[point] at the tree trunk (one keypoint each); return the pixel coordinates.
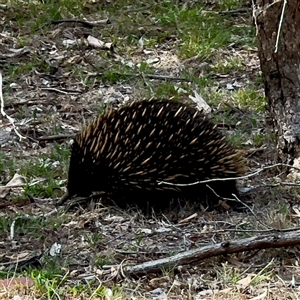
(280, 66)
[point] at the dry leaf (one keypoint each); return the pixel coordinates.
(234, 261)
(201, 103)
(262, 296)
(96, 43)
(16, 182)
(245, 282)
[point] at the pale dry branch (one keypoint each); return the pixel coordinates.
(280, 25)
(4, 114)
(230, 178)
(273, 240)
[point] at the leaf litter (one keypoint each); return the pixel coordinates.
(65, 85)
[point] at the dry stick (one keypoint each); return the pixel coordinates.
(254, 16)
(280, 26)
(89, 24)
(23, 103)
(225, 12)
(148, 85)
(253, 213)
(65, 92)
(161, 77)
(136, 10)
(149, 76)
(235, 11)
(229, 178)
(274, 240)
(10, 119)
(244, 204)
(56, 137)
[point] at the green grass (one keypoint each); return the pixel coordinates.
(40, 14)
(228, 4)
(33, 227)
(250, 99)
(48, 282)
(196, 30)
(45, 174)
(228, 65)
(101, 260)
(201, 33)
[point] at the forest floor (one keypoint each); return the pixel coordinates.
(63, 62)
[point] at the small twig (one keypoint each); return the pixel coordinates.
(280, 26)
(235, 11)
(56, 137)
(253, 213)
(164, 77)
(254, 16)
(89, 24)
(229, 178)
(275, 185)
(10, 119)
(255, 150)
(120, 268)
(148, 85)
(263, 270)
(244, 204)
(136, 10)
(96, 290)
(23, 103)
(65, 92)
(150, 76)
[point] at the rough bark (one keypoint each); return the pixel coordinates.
(281, 69)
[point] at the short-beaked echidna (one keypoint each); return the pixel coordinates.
(127, 153)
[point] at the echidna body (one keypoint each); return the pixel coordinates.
(128, 153)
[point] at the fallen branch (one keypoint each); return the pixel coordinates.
(273, 240)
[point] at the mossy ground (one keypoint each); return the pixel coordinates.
(161, 49)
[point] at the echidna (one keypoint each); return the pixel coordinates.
(128, 153)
